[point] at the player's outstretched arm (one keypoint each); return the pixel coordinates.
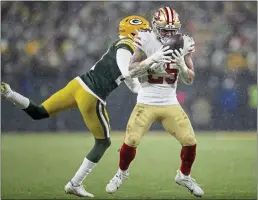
(136, 67)
(123, 57)
(133, 84)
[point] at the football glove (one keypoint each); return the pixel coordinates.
(159, 56)
(157, 68)
(178, 58)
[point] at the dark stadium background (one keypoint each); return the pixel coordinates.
(46, 44)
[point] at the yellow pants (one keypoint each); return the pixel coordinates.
(92, 109)
(173, 119)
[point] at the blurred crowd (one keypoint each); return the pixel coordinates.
(45, 44)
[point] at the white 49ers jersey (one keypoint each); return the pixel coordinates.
(159, 89)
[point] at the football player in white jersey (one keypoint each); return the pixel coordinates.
(157, 101)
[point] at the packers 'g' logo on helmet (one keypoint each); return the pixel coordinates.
(135, 21)
(129, 26)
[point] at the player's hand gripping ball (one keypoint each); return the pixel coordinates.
(175, 42)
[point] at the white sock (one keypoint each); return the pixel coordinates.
(183, 174)
(83, 172)
(124, 172)
(19, 100)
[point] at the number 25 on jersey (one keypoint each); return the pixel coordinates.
(168, 80)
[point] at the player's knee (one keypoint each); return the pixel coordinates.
(102, 144)
(98, 150)
(132, 140)
(107, 143)
(190, 140)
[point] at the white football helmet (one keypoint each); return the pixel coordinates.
(165, 23)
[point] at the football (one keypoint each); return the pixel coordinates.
(175, 42)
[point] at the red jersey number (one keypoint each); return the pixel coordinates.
(159, 80)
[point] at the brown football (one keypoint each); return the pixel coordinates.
(175, 42)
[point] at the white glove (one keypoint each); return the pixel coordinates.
(157, 68)
(178, 58)
(160, 56)
(181, 66)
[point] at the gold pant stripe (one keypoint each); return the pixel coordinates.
(75, 96)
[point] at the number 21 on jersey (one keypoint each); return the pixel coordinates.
(168, 80)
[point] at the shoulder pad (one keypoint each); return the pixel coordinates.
(125, 42)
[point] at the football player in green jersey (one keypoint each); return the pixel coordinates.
(88, 93)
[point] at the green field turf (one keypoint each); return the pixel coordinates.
(38, 166)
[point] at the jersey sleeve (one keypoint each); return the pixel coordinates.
(123, 57)
(189, 45)
(140, 41)
(125, 43)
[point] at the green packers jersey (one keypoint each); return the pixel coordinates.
(105, 75)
